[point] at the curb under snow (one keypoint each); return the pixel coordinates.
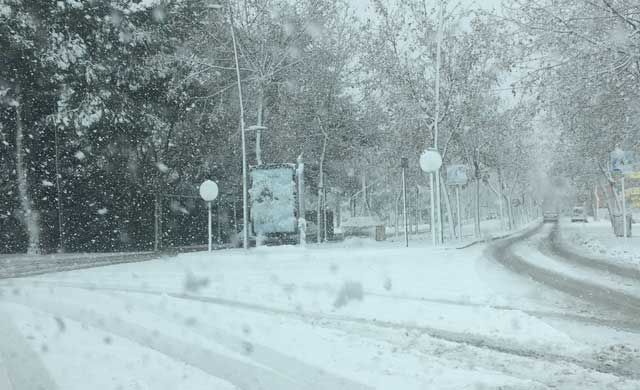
(526, 228)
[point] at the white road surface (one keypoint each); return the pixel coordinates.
(355, 315)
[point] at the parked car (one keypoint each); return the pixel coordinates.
(579, 214)
(550, 216)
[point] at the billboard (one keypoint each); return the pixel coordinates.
(456, 175)
(621, 161)
(633, 197)
(273, 199)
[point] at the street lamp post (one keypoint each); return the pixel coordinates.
(404, 166)
(430, 162)
(435, 194)
(209, 193)
(245, 208)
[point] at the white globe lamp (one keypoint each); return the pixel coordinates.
(209, 191)
(430, 161)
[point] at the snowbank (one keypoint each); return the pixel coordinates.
(596, 239)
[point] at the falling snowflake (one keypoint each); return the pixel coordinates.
(162, 167)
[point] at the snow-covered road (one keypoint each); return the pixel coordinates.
(354, 315)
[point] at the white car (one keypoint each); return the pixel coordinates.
(578, 215)
(550, 216)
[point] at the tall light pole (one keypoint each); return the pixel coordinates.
(430, 162)
(435, 127)
(208, 193)
(245, 207)
(59, 190)
(404, 165)
(245, 211)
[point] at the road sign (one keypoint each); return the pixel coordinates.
(634, 175)
(633, 195)
(621, 161)
(457, 175)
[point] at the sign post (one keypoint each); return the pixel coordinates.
(209, 192)
(430, 162)
(302, 222)
(404, 163)
(622, 163)
(624, 209)
(457, 176)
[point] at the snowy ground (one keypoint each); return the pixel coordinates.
(596, 239)
(489, 229)
(354, 315)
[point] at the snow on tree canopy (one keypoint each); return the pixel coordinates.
(273, 200)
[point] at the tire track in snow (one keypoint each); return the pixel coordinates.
(555, 247)
(603, 296)
(314, 377)
(503, 346)
(630, 325)
(23, 368)
(242, 374)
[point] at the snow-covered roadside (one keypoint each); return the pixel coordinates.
(596, 239)
(612, 281)
(489, 229)
(358, 314)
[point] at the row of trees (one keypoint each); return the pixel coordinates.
(109, 108)
(582, 65)
(479, 125)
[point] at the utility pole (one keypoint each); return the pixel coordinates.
(245, 207)
(597, 202)
(404, 166)
(302, 222)
(624, 209)
(437, 119)
(59, 190)
(458, 212)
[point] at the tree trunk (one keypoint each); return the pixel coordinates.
(59, 192)
(30, 216)
(365, 201)
(321, 192)
(397, 213)
(501, 200)
(447, 203)
(337, 213)
(417, 213)
(611, 205)
(476, 225)
(302, 222)
(512, 224)
(259, 130)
